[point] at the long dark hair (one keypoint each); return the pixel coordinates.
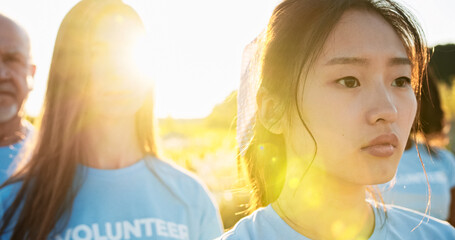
(432, 117)
(293, 40)
(47, 181)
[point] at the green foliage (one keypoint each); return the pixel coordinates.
(442, 62)
(447, 94)
(224, 114)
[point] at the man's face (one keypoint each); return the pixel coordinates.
(15, 69)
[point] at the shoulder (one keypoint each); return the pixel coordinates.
(440, 156)
(245, 228)
(445, 155)
(262, 224)
(409, 224)
(174, 173)
(446, 161)
(180, 180)
(187, 187)
(440, 153)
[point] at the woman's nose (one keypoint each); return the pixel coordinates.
(382, 106)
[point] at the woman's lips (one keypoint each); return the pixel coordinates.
(382, 146)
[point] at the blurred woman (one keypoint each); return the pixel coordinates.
(409, 187)
(335, 104)
(95, 171)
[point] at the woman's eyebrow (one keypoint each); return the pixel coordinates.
(399, 61)
(363, 61)
(347, 60)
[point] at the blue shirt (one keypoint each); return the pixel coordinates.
(410, 189)
(148, 200)
(9, 155)
(265, 224)
(7, 158)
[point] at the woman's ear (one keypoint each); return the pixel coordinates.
(270, 111)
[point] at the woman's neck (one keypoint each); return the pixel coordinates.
(114, 143)
(320, 206)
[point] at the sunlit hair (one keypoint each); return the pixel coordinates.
(293, 40)
(49, 180)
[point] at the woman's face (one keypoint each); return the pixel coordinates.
(118, 88)
(357, 101)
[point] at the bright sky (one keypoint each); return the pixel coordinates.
(197, 44)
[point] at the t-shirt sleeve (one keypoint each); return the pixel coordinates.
(228, 236)
(211, 225)
(449, 158)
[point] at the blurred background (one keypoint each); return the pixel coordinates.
(195, 55)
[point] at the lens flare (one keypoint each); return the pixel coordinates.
(141, 60)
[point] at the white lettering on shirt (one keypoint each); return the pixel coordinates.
(134, 229)
(118, 231)
(82, 232)
(96, 233)
(138, 228)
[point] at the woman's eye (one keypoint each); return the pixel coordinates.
(401, 82)
(349, 82)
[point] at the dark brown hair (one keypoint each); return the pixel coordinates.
(293, 40)
(48, 182)
(432, 120)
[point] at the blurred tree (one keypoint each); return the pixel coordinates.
(443, 63)
(224, 114)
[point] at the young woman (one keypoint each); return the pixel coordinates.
(335, 105)
(94, 172)
(409, 187)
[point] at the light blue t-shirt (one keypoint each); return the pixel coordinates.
(148, 200)
(410, 189)
(9, 154)
(266, 224)
(7, 158)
